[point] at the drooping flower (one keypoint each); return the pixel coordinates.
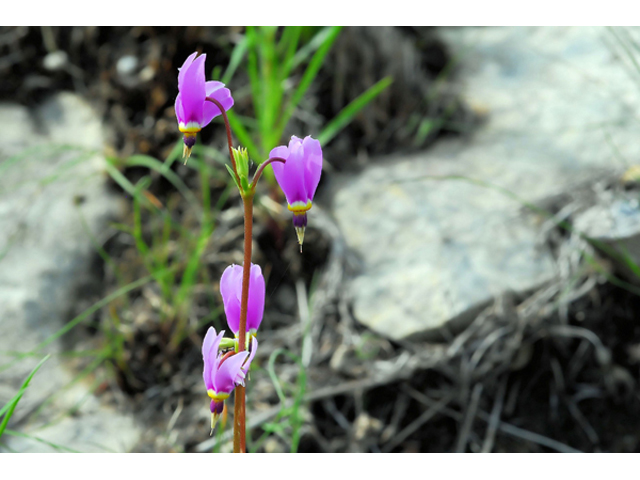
(194, 112)
(223, 372)
(231, 290)
(298, 177)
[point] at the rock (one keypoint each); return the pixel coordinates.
(613, 222)
(51, 177)
(558, 110)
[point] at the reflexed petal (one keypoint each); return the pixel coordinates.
(247, 364)
(255, 307)
(293, 175)
(219, 93)
(192, 90)
(231, 290)
(294, 141)
(212, 86)
(313, 165)
(224, 380)
(185, 66)
(179, 109)
(278, 167)
(279, 152)
(210, 355)
(232, 312)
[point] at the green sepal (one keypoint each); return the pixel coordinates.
(227, 343)
(242, 161)
(233, 175)
(245, 185)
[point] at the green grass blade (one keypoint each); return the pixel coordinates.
(316, 42)
(237, 56)
(347, 113)
(253, 37)
(9, 408)
(243, 136)
(164, 170)
(307, 78)
(60, 448)
(287, 49)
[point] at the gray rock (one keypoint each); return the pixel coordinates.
(558, 108)
(51, 176)
(613, 222)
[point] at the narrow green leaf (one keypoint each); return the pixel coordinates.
(9, 408)
(233, 175)
(164, 170)
(13, 433)
(351, 110)
(243, 135)
(237, 55)
(307, 78)
(316, 42)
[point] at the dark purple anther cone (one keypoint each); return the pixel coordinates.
(216, 407)
(189, 141)
(300, 221)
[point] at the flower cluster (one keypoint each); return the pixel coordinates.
(223, 372)
(297, 168)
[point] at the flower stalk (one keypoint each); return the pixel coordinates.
(297, 168)
(239, 432)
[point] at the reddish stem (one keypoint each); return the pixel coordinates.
(239, 433)
(229, 139)
(256, 177)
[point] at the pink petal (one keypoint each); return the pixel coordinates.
(247, 364)
(193, 90)
(278, 167)
(231, 290)
(210, 355)
(255, 307)
(294, 141)
(313, 165)
(179, 109)
(212, 86)
(185, 66)
(293, 174)
(225, 377)
(216, 91)
(232, 312)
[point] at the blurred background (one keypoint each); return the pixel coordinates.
(470, 273)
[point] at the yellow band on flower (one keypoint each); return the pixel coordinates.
(218, 397)
(298, 208)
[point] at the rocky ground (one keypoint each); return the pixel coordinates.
(476, 295)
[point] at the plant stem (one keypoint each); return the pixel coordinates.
(229, 138)
(239, 430)
(256, 177)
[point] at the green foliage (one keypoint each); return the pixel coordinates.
(9, 408)
(273, 60)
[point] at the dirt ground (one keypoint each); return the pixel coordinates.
(532, 373)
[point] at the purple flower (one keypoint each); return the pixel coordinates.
(231, 290)
(298, 177)
(221, 372)
(192, 110)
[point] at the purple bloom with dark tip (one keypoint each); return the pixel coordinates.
(298, 177)
(192, 110)
(222, 373)
(231, 290)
